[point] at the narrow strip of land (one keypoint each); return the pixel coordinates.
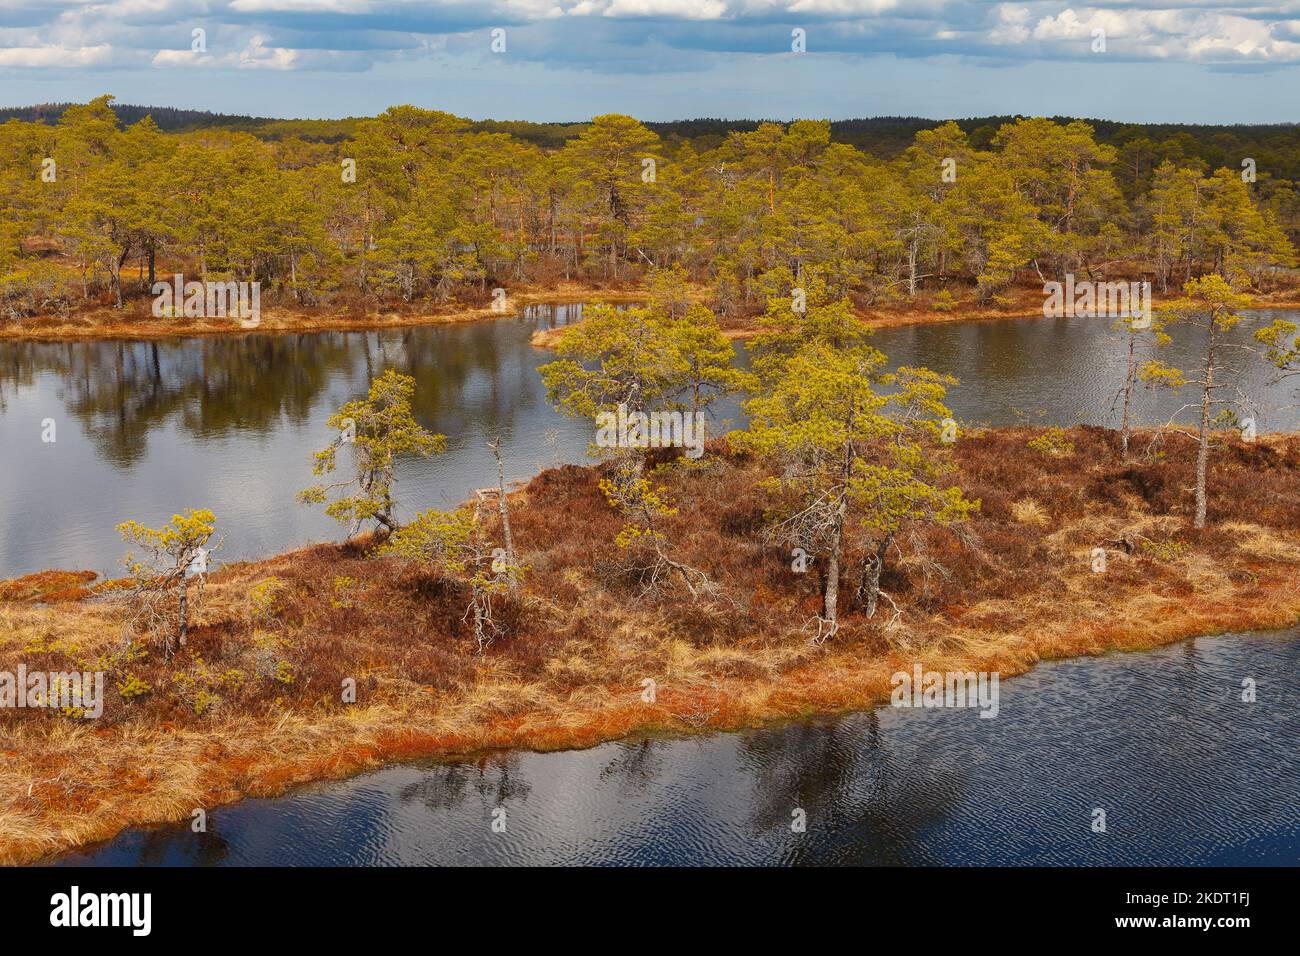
(252, 704)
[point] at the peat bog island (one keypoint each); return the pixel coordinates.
(775, 455)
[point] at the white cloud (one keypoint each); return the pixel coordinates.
(43, 57)
(254, 55)
(303, 6)
(1198, 35)
(356, 34)
(671, 9)
(1012, 25)
(258, 56)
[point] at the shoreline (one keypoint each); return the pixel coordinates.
(282, 321)
(68, 784)
(840, 700)
(882, 319)
(108, 324)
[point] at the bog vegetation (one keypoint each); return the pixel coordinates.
(849, 527)
(253, 703)
(422, 205)
(857, 477)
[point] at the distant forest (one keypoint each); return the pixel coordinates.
(1275, 147)
(419, 204)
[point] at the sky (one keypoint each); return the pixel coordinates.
(567, 60)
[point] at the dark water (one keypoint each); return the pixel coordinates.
(145, 429)
(1185, 771)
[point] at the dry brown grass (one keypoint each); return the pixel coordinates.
(225, 720)
(48, 586)
(1029, 511)
(1020, 302)
(137, 322)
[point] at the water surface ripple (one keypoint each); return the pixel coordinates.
(1186, 772)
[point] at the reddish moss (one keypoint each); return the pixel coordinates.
(47, 586)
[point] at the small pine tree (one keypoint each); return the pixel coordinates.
(174, 557)
(380, 429)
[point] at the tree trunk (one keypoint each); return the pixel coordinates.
(831, 599)
(478, 623)
(1128, 396)
(117, 274)
(512, 578)
(911, 268)
(184, 628)
(1203, 449)
(869, 591)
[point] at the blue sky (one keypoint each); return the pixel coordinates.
(1200, 61)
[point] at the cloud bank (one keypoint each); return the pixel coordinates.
(630, 36)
